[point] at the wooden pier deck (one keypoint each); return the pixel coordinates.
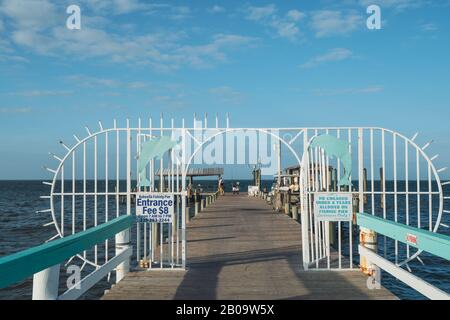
(239, 248)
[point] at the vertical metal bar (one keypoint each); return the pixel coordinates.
(95, 195)
(73, 191)
(84, 191)
(128, 168)
(383, 182)
(418, 188)
(171, 226)
(350, 227)
(183, 202)
(161, 225)
(407, 189)
(305, 214)
(106, 190)
(327, 224)
(430, 200)
(138, 225)
(144, 225)
(62, 200)
(394, 142)
(338, 177)
(372, 173)
(312, 219)
(152, 226)
(117, 169)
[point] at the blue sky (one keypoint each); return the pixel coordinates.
(267, 63)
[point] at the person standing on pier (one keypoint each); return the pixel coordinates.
(221, 190)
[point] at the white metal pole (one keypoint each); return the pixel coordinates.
(123, 238)
(46, 284)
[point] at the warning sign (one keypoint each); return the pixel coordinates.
(154, 207)
(333, 206)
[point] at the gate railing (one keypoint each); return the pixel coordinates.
(393, 177)
(436, 244)
(44, 261)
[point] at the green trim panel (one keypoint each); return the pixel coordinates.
(437, 244)
(18, 266)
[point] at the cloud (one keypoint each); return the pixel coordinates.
(43, 93)
(161, 50)
(216, 9)
(285, 26)
(117, 7)
(326, 23)
(15, 110)
(365, 90)
(28, 14)
(180, 13)
(429, 27)
(2, 26)
(395, 4)
(96, 82)
(12, 58)
(227, 95)
(334, 55)
(215, 51)
(295, 15)
(259, 13)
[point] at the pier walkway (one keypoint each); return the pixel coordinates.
(239, 248)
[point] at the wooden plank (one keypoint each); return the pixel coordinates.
(239, 248)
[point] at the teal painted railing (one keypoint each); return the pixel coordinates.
(19, 266)
(437, 244)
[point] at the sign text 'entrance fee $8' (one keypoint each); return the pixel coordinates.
(154, 208)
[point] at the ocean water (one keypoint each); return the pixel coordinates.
(21, 227)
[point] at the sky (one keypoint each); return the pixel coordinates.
(266, 63)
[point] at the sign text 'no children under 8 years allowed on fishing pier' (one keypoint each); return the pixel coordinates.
(154, 207)
(333, 206)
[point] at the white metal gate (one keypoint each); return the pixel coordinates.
(98, 180)
(392, 177)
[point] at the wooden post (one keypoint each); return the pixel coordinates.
(188, 215)
(287, 208)
(202, 205)
(365, 185)
(332, 233)
(196, 208)
(295, 212)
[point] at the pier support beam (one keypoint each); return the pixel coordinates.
(188, 215)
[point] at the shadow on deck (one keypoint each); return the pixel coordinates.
(239, 248)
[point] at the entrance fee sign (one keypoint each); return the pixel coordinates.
(333, 206)
(154, 207)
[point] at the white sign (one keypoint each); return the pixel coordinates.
(333, 206)
(154, 207)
